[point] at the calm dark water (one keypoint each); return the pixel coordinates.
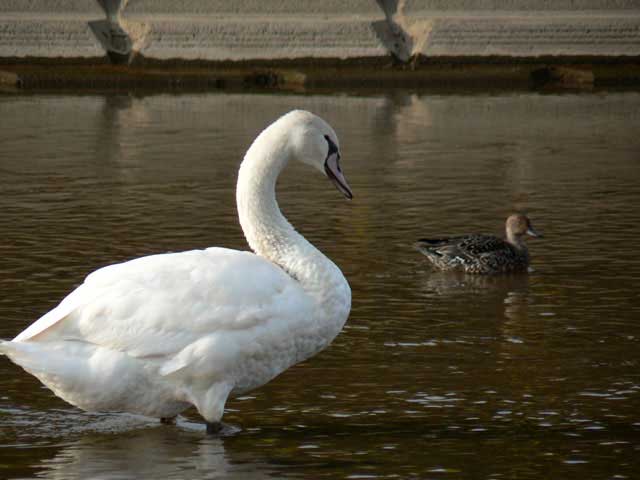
(435, 376)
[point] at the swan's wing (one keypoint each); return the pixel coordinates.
(155, 306)
(69, 304)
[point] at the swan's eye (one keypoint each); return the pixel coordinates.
(332, 146)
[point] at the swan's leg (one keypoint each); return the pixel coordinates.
(210, 404)
(214, 427)
(168, 420)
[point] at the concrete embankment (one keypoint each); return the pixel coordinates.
(204, 43)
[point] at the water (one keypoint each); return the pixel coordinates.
(435, 376)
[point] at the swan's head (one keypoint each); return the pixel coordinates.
(313, 141)
(518, 225)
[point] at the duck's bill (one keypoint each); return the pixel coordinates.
(533, 232)
(334, 172)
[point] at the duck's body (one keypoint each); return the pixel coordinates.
(482, 254)
(160, 333)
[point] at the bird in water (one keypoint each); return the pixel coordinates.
(482, 254)
(158, 334)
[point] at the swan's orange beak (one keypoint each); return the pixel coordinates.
(334, 172)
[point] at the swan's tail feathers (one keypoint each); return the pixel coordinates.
(14, 350)
(10, 349)
(36, 358)
(30, 356)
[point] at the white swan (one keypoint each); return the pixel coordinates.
(160, 333)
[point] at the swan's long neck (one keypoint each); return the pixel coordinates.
(268, 232)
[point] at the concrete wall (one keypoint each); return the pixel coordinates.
(277, 29)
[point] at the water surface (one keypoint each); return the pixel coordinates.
(436, 375)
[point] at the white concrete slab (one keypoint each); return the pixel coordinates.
(278, 29)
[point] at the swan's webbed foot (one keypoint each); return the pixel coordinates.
(168, 420)
(214, 428)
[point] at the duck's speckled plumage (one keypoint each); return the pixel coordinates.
(482, 254)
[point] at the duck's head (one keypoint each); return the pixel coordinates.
(519, 225)
(313, 141)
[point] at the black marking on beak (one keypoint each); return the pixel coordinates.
(332, 146)
(333, 170)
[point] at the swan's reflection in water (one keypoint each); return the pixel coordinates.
(166, 452)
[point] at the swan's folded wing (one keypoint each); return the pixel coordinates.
(155, 306)
(80, 296)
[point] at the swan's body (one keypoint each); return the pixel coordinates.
(482, 254)
(160, 333)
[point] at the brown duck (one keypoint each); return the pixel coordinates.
(482, 254)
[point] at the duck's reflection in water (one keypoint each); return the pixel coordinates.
(458, 284)
(167, 452)
(505, 299)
